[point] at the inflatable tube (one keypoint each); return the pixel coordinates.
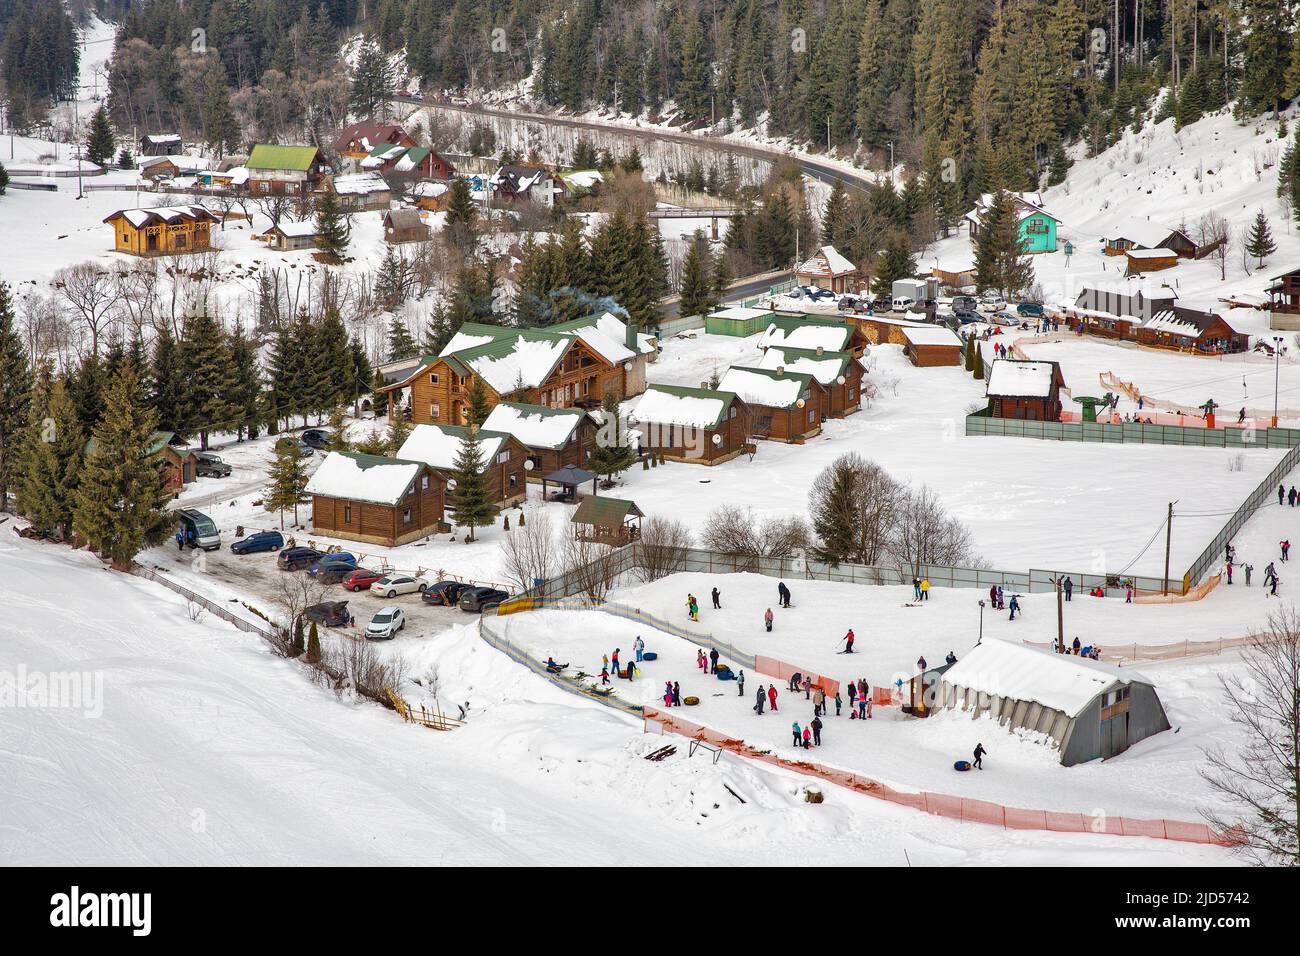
(961, 765)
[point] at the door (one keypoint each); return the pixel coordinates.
(1114, 735)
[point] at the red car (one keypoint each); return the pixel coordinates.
(361, 579)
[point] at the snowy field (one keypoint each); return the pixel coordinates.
(202, 747)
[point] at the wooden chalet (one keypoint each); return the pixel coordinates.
(516, 184)
(159, 144)
(357, 140)
(1284, 301)
(177, 464)
(787, 406)
(362, 192)
(428, 196)
(816, 331)
(168, 230)
(1192, 330)
(696, 425)
(1143, 234)
(388, 501)
(1029, 391)
(414, 162)
(839, 374)
(554, 437)
(292, 170)
(828, 269)
(612, 521)
(504, 458)
(404, 225)
(929, 346)
(291, 236)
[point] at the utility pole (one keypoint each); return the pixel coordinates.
(1169, 537)
(1060, 616)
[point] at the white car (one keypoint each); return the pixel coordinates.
(386, 623)
(992, 302)
(903, 303)
(392, 585)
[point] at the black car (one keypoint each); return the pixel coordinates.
(298, 559)
(968, 302)
(966, 316)
(329, 613)
(258, 541)
(476, 599)
(316, 438)
(332, 572)
(882, 303)
(208, 465)
(445, 593)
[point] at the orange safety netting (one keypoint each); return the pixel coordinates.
(947, 805)
(775, 668)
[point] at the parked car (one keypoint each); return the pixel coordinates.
(992, 302)
(258, 541)
(817, 293)
(444, 593)
(197, 530)
(344, 558)
(360, 579)
(967, 316)
(316, 438)
(964, 302)
(881, 303)
(902, 303)
(304, 450)
(329, 613)
(1030, 310)
(391, 585)
(476, 599)
(208, 465)
(332, 572)
(386, 623)
(297, 559)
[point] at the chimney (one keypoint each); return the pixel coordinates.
(820, 349)
(780, 370)
(629, 337)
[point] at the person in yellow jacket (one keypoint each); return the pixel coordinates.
(925, 589)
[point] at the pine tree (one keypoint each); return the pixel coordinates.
(835, 511)
(362, 373)
(168, 392)
(720, 279)
(896, 263)
(333, 231)
(207, 377)
(4, 179)
(53, 447)
(968, 354)
(1259, 242)
(612, 453)
(287, 393)
(372, 81)
(472, 504)
(480, 406)
(121, 493)
(338, 430)
(332, 380)
(124, 159)
(220, 125)
(313, 645)
(286, 481)
(99, 141)
(1000, 260)
(461, 213)
(696, 293)
(401, 345)
(1266, 54)
(296, 645)
(15, 396)
(979, 363)
(245, 384)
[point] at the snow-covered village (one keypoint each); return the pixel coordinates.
(651, 432)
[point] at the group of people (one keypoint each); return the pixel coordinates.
(709, 664)
(921, 589)
(1270, 580)
(610, 665)
(1078, 649)
(1291, 497)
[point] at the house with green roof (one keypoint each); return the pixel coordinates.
(273, 169)
(177, 464)
(700, 426)
(380, 500)
(786, 405)
(554, 437)
(839, 373)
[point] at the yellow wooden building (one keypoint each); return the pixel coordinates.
(169, 230)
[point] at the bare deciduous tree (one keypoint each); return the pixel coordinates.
(1261, 776)
(736, 531)
(1215, 234)
(663, 546)
(591, 566)
(926, 534)
(528, 550)
(855, 508)
(92, 292)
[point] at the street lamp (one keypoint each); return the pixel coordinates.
(1277, 370)
(981, 637)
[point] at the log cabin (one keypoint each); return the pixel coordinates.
(504, 458)
(696, 425)
(388, 501)
(1029, 391)
(554, 437)
(167, 231)
(815, 331)
(1192, 330)
(787, 406)
(1144, 234)
(404, 225)
(929, 346)
(176, 464)
(359, 139)
(839, 373)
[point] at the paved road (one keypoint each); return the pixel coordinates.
(741, 289)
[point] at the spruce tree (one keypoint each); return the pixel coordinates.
(121, 498)
(399, 429)
(979, 363)
(471, 499)
(207, 379)
(362, 373)
(313, 645)
(696, 294)
(461, 213)
(372, 81)
(401, 345)
(612, 453)
(338, 430)
(286, 481)
(720, 279)
(245, 384)
(99, 141)
(896, 263)
(333, 231)
(1000, 260)
(15, 396)
(836, 511)
(287, 386)
(53, 448)
(968, 353)
(4, 179)
(480, 406)
(1259, 242)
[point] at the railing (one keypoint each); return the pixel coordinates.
(1126, 653)
(1133, 433)
(262, 630)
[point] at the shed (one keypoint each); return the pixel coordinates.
(159, 144)
(569, 478)
(360, 192)
(404, 225)
(1150, 260)
(1086, 708)
(737, 320)
(288, 236)
(1030, 391)
(613, 521)
(932, 345)
(387, 501)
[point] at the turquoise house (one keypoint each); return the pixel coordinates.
(1037, 225)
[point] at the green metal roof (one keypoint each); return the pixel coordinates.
(605, 512)
(686, 391)
(298, 158)
(844, 358)
(157, 442)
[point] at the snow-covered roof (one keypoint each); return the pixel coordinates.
(523, 359)
(428, 189)
(162, 139)
(582, 178)
(931, 335)
(1160, 252)
(360, 184)
(1013, 378)
(1144, 232)
(826, 367)
(1027, 204)
(740, 312)
(536, 426)
(610, 349)
(295, 230)
(675, 405)
(1062, 682)
(463, 340)
(383, 481)
(611, 326)
(831, 336)
(168, 214)
(769, 387)
(826, 261)
(439, 445)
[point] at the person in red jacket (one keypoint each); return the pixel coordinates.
(848, 642)
(771, 696)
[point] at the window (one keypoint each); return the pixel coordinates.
(514, 480)
(733, 412)
(424, 483)
(406, 516)
(812, 416)
(433, 378)
(347, 514)
(1036, 227)
(434, 412)
(852, 392)
(503, 458)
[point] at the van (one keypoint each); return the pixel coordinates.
(198, 530)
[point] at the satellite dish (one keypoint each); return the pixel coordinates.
(451, 484)
(627, 366)
(800, 403)
(528, 465)
(821, 349)
(717, 439)
(780, 370)
(839, 380)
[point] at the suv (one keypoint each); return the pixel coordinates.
(334, 560)
(197, 530)
(316, 438)
(1030, 310)
(386, 623)
(258, 541)
(476, 599)
(304, 450)
(968, 302)
(329, 613)
(297, 559)
(446, 593)
(208, 465)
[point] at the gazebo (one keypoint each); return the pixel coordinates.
(568, 478)
(615, 521)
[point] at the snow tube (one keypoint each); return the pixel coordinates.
(649, 656)
(961, 765)
(690, 701)
(726, 675)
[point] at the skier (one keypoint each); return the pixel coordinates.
(767, 620)
(798, 735)
(771, 697)
(848, 642)
(1015, 606)
(817, 731)
(1241, 417)
(1273, 592)
(713, 661)
(740, 684)
(1286, 549)
(717, 599)
(925, 589)
(760, 698)
(1069, 588)
(979, 756)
